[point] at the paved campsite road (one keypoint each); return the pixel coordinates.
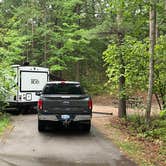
(25, 146)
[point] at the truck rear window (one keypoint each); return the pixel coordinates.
(63, 89)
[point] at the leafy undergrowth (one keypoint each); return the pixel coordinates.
(146, 145)
(4, 122)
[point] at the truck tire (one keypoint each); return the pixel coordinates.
(41, 126)
(87, 127)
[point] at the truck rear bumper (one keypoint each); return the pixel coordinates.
(54, 118)
(82, 117)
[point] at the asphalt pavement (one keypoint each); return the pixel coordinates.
(23, 145)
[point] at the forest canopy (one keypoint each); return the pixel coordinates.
(92, 41)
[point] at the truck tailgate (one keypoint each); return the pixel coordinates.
(65, 103)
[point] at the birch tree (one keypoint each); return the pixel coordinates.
(152, 37)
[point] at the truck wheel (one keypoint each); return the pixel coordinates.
(87, 127)
(41, 126)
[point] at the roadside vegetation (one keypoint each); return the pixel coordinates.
(4, 122)
(155, 132)
(145, 145)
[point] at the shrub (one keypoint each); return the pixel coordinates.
(6, 83)
(156, 130)
(163, 114)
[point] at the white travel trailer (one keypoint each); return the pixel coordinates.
(28, 81)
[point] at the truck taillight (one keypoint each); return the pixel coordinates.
(40, 104)
(90, 104)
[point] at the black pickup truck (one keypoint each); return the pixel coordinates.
(64, 103)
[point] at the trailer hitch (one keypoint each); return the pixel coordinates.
(66, 122)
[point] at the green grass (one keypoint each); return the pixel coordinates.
(133, 149)
(129, 146)
(4, 122)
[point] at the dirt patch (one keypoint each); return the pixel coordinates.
(105, 100)
(108, 100)
(110, 103)
(6, 133)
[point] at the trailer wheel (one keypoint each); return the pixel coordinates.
(41, 126)
(17, 111)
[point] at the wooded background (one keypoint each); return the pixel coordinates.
(104, 44)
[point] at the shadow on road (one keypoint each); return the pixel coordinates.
(65, 131)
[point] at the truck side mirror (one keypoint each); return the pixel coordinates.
(38, 93)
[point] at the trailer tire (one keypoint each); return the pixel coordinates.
(17, 111)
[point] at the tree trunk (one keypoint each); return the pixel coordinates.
(45, 37)
(32, 37)
(77, 71)
(152, 35)
(27, 47)
(78, 8)
(158, 101)
(122, 94)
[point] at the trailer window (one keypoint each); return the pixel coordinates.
(63, 89)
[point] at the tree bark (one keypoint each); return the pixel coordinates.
(122, 94)
(32, 36)
(152, 35)
(158, 101)
(77, 71)
(45, 36)
(77, 78)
